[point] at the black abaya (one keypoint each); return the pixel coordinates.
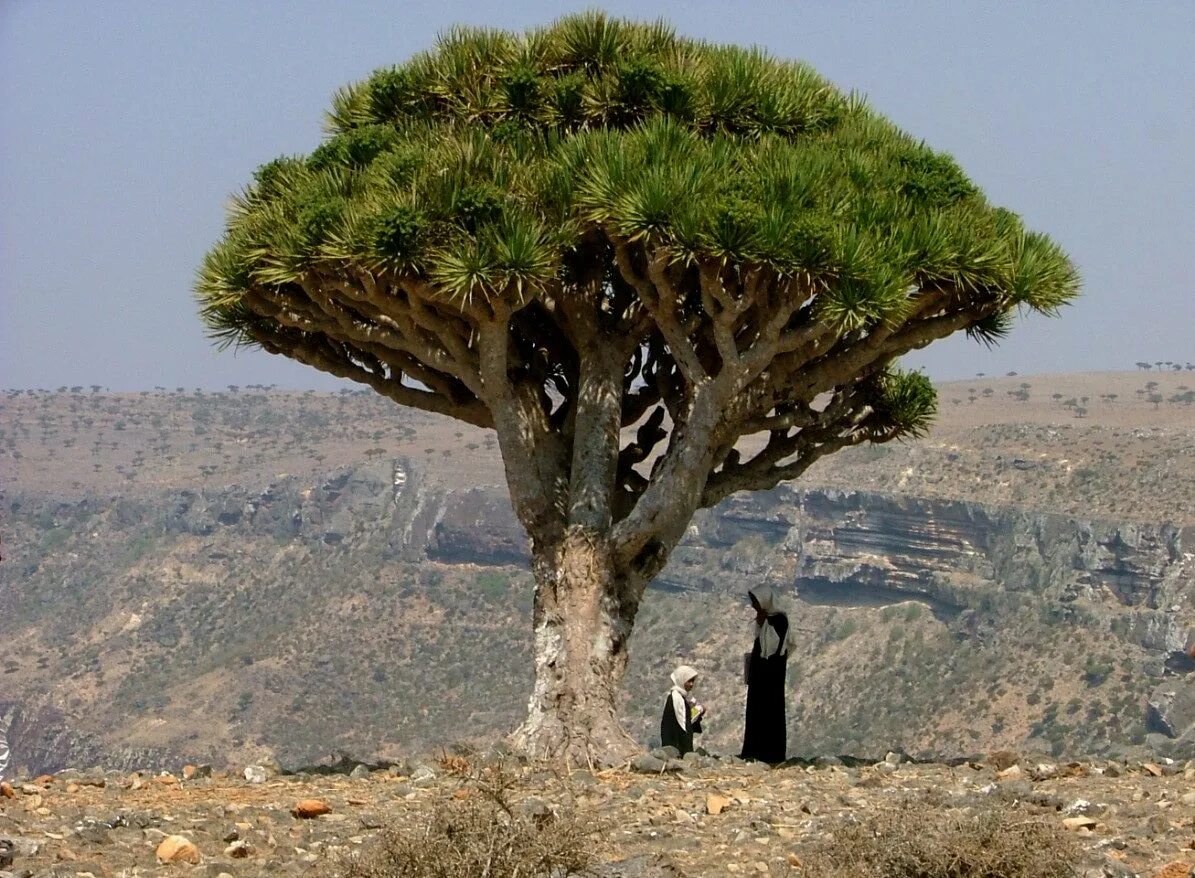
(672, 734)
(764, 737)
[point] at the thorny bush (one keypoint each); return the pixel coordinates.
(921, 842)
(481, 829)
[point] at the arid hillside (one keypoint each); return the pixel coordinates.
(263, 575)
(1112, 445)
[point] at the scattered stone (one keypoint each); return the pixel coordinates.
(1003, 759)
(1152, 769)
(255, 774)
(716, 804)
(238, 850)
(423, 774)
(7, 791)
(1084, 808)
(359, 772)
(307, 809)
(648, 764)
(1177, 869)
(177, 849)
(94, 835)
(729, 813)
(194, 772)
(1044, 771)
(1013, 772)
(166, 779)
(1050, 801)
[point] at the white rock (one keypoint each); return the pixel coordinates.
(255, 774)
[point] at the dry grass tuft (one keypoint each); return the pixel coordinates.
(925, 843)
(480, 829)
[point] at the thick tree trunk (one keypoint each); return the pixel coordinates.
(584, 613)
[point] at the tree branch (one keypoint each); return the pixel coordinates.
(323, 355)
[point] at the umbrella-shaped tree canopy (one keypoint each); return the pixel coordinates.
(627, 252)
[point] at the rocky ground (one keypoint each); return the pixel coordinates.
(696, 817)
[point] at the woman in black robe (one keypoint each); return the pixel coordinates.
(764, 737)
(682, 715)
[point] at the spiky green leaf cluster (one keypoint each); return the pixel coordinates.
(481, 164)
(904, 405)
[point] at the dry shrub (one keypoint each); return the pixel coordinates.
(454, 764)
(914, 842)
(479, 831)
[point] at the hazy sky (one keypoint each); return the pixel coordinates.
(124, 126)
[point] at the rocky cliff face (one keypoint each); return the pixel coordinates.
(184, 592)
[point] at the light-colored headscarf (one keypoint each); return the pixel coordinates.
(680, 709)
(770, 642)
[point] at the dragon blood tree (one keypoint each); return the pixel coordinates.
(633, 256)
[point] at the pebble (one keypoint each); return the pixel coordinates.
(307, 809)
(177, 849)
(238, 850)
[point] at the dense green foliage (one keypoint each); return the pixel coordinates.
(482, 165)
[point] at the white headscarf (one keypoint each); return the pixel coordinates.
(770, 643)
(680, 709)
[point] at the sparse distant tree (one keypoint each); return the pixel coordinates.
(600, 227)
